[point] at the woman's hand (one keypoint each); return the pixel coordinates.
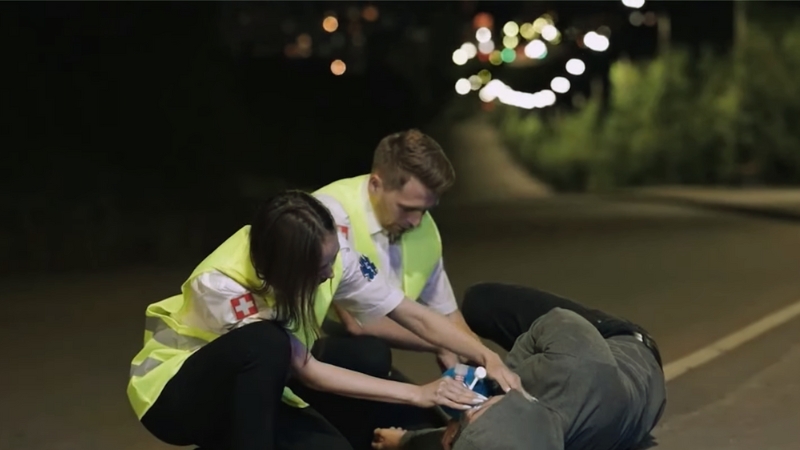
(448, 392)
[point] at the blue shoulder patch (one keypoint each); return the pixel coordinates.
(368, 269)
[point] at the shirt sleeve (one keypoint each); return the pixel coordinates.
(438, 293)
(340, 216)
(220, 304)
(364, 291)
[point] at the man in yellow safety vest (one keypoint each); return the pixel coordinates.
(385, 216)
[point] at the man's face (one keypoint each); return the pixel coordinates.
(399, 210)
(473, 414)
(467, 418)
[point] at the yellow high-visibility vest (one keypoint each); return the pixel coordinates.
(168, 342)
(421, 247)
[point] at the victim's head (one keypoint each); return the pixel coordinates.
(409, 173)
(506, 422)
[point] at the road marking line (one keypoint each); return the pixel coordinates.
(677, 368)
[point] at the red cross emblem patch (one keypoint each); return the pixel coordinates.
(244, 306)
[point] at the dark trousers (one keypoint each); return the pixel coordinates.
(227, 396)
(502, 312)
(356, 419)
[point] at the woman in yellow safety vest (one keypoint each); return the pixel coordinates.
(216, 358)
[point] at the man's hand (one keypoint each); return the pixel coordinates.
(447, 359)
(499, 372)
(349, 322)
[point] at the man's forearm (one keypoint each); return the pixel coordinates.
(397, 336)
(458, 319)
(440, 331)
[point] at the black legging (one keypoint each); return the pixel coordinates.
(227, 396)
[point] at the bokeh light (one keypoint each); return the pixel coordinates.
(330, 24)
(460, 57)
(560, 85)
(483, 34)
(536, 49)
(338, 67)
(463, 86)
(470, 49)
(575, 66)
(511, 29)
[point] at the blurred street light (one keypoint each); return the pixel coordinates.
(508, 55)
(527, 31)
(560, 85)
(483, 34)
(460, 57)
(496, 58)
(511, 29)
(497, 90)
(338, 67)
(330, 24)
(463, 86)
(539, 24)
(483, 20)
(510, 42)
(635, 4)
(370, 14)
(491, 90)
(470, 49)
(636, 18)
(596, 42)
(486, 47)
(475, 82)
(536, 49)
(544, 98)
(576, 66)
(549, 32)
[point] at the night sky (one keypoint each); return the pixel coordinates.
(140, 106)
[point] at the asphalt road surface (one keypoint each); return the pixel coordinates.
(689, 276)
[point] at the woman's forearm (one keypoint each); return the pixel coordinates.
(328, 378)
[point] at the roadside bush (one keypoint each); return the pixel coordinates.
(678, 119)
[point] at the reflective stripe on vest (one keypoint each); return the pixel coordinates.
(421, 247)
(165, 348)
(167, 337)
(140, 370)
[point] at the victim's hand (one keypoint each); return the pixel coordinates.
(499, 372)
(387, 438)
(448, 392)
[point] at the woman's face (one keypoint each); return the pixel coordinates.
(330, 249)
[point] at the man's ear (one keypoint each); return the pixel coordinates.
(375, 183)
(450, 434)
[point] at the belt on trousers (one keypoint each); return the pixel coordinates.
(650, 343)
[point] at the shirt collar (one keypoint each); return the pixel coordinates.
(372, 222)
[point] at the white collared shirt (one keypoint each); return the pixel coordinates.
(437, 293)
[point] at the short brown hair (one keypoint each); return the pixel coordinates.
(402, 155)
